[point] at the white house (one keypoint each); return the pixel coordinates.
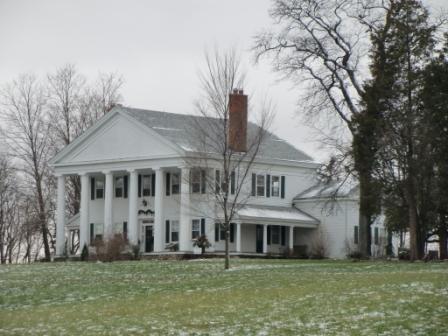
(133, 170)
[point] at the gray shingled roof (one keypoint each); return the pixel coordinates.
(177, 129)
(329, 190)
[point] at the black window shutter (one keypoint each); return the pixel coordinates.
(125, 186)
(202, 181)
(283, 235)
(269, 235)
(168, 184)
(232, 232)
(139, 185)
(254, 178)
(268, 185)
(153, 184)
(92, 233)
(202, 226)
(167, 231)
(217, 181)
(92, 188)
(217, 232)
(283, 187)
(232, 183)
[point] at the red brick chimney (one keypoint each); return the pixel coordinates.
(238, 121)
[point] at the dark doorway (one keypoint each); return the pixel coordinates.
(149, 239)
(259, 238)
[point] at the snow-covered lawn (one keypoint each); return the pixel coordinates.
(257, 297)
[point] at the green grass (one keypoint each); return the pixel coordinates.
(256, 297)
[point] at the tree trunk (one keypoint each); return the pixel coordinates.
(227, 258)
(443, 237)
(365, 237)
(413, 222)
(43, 220)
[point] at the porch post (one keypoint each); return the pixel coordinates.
(265, 238)
(133, 207)
(109, 186)
(291, 238)
(158, 211)
(184, 220)
(84, 212)
(60, 217)
(238, 237)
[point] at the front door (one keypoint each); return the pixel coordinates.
(149, 238)
(259, 238)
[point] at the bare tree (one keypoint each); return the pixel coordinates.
(225, 153)
(324, 45)
(65, 89)
(27, 135)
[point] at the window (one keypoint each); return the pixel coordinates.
(119, 186)
(220, 232)
(195, 228)
(125, 230)
(96, 232)
(356, 235)
(275, 186)
(220, 182)
(260, 185)
(198, 181)
(275, 234)
(195, 181)
(174, 231)
(376, 236)
(99, 188)
(175, 184)
(146, 185)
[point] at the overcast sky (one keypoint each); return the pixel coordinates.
(157, 46)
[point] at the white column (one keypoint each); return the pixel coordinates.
(108, 197)
(60, 217)
(238, 237)
(133, 207)
(265, 238)
(84, 212)
(291, 238)
(158, 211)
(184, 220)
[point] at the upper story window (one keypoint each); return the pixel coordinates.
(99, 188)
(275, 186)
(119, 186)
(220, 182)
(146, 185)
(198, 181)
(175, 184)
(266, 185)
(260, 185)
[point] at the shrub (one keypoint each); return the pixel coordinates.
(110, 249)
(319, 246)
(136, 251)
(85, 253)
(356, 255)
(202, 242)
(404, 253)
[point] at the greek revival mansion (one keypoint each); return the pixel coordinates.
(136, 181)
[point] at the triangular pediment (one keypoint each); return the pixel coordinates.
(118, 138)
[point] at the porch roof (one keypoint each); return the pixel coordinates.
(262, 214)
